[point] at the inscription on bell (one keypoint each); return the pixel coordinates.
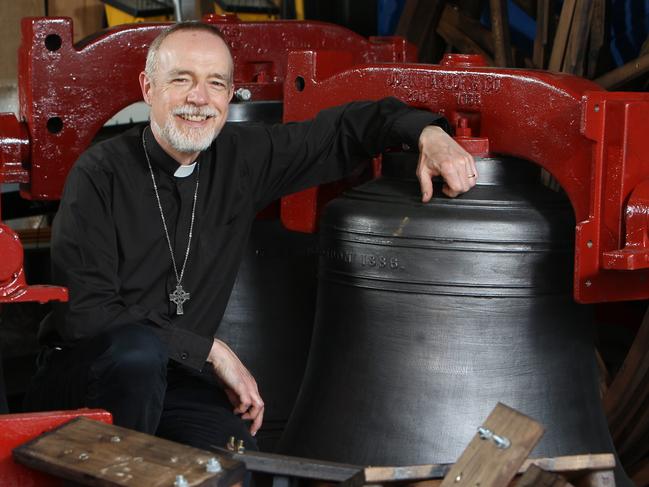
(378, 261)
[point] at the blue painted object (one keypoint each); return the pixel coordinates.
(389, 12)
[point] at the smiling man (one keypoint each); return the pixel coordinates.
(151, 230)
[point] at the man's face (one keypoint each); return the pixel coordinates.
(189, 92)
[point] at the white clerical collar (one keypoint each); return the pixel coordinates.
(184, 171)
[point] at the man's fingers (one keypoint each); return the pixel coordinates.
(455, 178)
(257, 421)
(256, 415)
(425, 176)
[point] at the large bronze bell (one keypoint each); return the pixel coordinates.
(269, 317)
(430, 314)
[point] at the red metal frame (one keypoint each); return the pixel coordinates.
(592, 141)
(68, 92)
(16, 429)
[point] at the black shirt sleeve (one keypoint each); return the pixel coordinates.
(331, 145)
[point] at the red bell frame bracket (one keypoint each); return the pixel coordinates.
(13, 287)
(68, 92)
(19, 428)
(593, 142)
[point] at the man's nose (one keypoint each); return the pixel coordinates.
(198, 94)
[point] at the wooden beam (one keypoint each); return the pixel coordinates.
(537, 477)
(542, 33)
(500, 30)
(597, 35)
(418, 23)
(528, 6)
(471, 28)
(471, 8)
(454, 36)
(561, 37)
(624, 74)
(576, 52)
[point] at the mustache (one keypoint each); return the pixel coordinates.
(190, 110)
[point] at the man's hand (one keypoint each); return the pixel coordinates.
(239, 384)
(440, 155)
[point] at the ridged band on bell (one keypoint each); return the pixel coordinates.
(430, 314)
(269, 317)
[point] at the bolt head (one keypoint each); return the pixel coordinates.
(213, 465)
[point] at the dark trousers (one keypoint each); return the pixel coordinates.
(4, 408)
(127, 372)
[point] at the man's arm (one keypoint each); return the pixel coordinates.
(338, 139)
(238, 383)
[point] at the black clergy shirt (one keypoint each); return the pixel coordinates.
(108, 243)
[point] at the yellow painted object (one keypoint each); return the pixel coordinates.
(299, 9)
(248, 16)
(115, 16)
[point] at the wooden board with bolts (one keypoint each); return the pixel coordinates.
(497, 451)
(97, 454)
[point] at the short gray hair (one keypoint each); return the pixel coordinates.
(151, 65)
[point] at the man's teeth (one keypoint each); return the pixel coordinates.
(194, 118)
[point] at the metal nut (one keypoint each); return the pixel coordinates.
(213, 466)
(181, 481)
(500, 441)
(243, 94)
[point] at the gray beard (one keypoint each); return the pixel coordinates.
(182, 142)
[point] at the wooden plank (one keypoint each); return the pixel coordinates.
(572, 463)
(619, 77)
(597, 479)
(597, 36)
(471, 8)
(623, 396)
(542, 33)
(87, 15)
(418, 23)
(487, 461)
(500, 30)
(470, 27)
(97, 454)
(292, 466)
(537, 477)
(528, 6)
(573, 62)
(11, 13)
(407, 18)
(561, 36)
(463, 43)
(431, 475)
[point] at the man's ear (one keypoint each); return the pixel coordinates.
(146, 85)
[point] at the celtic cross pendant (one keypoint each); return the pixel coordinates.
(178, 297)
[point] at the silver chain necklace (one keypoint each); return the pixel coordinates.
(179, 296)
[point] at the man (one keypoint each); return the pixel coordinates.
(151, 230)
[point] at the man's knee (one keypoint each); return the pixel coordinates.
(132, 352)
